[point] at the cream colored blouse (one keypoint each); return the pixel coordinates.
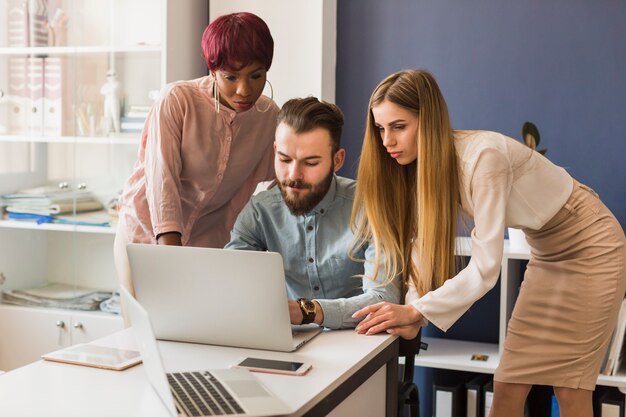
(196, 167)
(503, 184)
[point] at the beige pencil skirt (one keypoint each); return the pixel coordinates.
(569, 299)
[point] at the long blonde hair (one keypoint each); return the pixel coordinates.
(412, 207)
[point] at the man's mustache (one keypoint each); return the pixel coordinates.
(296, 184)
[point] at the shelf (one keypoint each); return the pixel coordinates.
(514, 252)
(77, 50)
(457, 355)
(121, 139)
(464, 248)
(20, 224)
(94, 313)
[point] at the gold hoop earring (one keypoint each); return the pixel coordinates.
(216, 94)
(271, 99)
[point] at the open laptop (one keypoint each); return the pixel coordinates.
(216, 296)
(199, 393)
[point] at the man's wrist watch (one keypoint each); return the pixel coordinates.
(308, 310)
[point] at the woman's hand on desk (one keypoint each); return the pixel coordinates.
(396, 319)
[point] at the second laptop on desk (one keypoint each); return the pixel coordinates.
(199, 393)
(215, 296)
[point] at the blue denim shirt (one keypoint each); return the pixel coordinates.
(315, 248)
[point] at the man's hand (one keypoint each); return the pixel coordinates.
(295, 313)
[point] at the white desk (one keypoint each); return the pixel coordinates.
(352, 374)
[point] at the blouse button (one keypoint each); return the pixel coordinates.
(310, 260)
(316, 288)
(309, 228)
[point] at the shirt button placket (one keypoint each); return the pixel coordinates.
(314, 279)
(228, 138)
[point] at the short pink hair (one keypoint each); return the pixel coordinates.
(235, 40)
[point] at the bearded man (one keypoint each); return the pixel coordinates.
(306, 218)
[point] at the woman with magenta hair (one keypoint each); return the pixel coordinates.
(205, 146)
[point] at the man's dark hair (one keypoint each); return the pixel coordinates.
(306, 114)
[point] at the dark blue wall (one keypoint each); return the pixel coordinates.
(560, 64)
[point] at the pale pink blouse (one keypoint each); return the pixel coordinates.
(503, 184)
(196, 168)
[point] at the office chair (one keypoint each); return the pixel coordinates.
(408, 394)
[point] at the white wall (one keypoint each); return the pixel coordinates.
(305, 33)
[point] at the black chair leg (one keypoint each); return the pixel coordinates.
(414, 403)
(408, 395)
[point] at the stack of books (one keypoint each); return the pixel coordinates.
(42, 204)
(57, 296)
(134, 119)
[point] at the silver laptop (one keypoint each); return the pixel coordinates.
(199, 393)
(216, 296)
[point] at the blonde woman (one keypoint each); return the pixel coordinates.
(416, 174)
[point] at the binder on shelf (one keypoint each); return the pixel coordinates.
(38, 23)
(554, 407)
(474, 395)
(52, 96)
(17, 23)
(614, 354)
(448, 400)
(26, 90)
(612, 404)
(487, 397)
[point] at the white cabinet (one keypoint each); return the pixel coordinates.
(29, 332)
(56, 57)
(457, 354)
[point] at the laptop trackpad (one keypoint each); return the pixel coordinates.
(243, 388)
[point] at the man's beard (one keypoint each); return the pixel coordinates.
(301, 205)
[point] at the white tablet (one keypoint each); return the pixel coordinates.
(95, 356)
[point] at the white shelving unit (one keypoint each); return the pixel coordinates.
(120, 139)
(457, 355)
(12, 224)
(148, 43)
(78, 50)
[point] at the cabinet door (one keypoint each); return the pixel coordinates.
(27, 333)
(87, 327)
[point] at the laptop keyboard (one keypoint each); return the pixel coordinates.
(201, 394)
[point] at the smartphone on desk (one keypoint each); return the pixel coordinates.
(273, 366)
